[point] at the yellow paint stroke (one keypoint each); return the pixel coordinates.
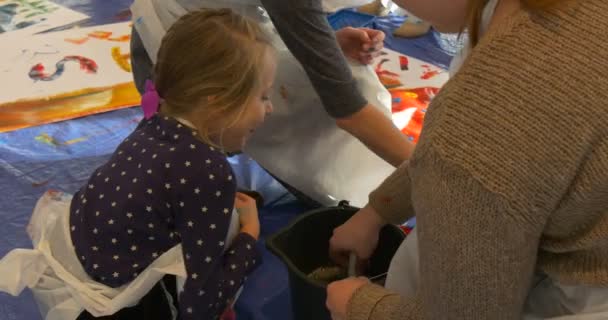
(73, 141)
(121, 59)
(47, 139)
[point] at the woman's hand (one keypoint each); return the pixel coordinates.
(359, 235)
(360, 44)
(248, 214)
(339, 294)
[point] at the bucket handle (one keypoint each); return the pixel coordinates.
(344, 204)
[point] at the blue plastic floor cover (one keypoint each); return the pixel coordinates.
(46, 157)
(350, 18)
(434, 47)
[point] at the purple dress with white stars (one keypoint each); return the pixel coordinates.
(160, 188)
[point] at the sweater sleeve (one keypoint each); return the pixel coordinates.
(392, 199)
(477, 254)
(205, 202)
(304, 28)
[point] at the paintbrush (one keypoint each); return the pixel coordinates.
(352, 265)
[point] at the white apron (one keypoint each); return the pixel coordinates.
(547, 299)
(58, 281)
(299, 143)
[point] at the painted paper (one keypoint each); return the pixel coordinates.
(63, 75)
(412, 84)
(19, 18)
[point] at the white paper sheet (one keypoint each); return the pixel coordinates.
(86, 56)
(20, 18)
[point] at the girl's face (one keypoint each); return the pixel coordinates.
(447, 16)
(235, 137)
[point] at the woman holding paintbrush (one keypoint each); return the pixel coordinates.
(509, 181)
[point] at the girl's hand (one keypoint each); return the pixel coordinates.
(248, 214)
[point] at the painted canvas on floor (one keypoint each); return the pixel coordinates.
(64, 75)
(413, 84)
(20, 18)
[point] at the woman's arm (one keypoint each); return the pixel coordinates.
(477, 252)
(379, 134)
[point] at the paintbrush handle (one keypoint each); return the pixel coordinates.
(352, 265)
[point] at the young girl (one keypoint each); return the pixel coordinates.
(169, 184)
(319, 90)
(509, 181)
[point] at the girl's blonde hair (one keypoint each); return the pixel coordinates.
(211, 58)
(476, 8)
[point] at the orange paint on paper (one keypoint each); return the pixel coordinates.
(124, 38)
(100, 34)
(27, 113)
(78, 41)
(418, 98)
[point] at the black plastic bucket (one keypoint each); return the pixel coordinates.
(303, 246)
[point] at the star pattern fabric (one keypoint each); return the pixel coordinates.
(160, 188)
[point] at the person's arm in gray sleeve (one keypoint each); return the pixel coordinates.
(304, 28)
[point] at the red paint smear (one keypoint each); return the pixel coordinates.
(387, 78)
(414, 127)
(418, 98)
(40, 184)
(86, 64)
(429, 74)
(408, 98)
(407, 230)
(39, 67)
(404, 63)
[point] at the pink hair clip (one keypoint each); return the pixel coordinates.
(150, 100)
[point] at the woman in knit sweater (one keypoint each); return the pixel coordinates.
(509, 182)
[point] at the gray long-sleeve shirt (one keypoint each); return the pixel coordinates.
(304, 28)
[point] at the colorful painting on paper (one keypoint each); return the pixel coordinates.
(49, 77)
(412, 84)
(19, 18)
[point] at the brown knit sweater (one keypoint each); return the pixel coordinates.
(510, 176)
